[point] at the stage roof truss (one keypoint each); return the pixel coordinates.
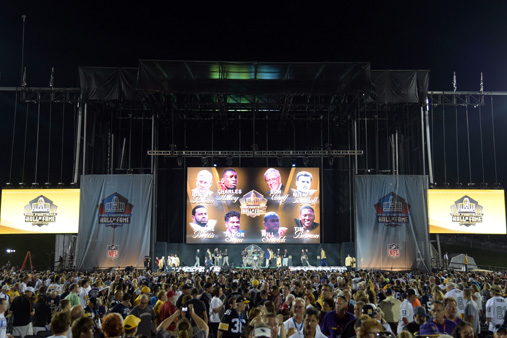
(257, 153)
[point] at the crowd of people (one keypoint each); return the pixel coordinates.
(252, 303)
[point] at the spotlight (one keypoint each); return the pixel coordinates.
(35, 184)
(8, 184)
(204, 161)
(458, 184)
(433, 185)
(279, 159)
(48, 184)
(73, 184)
(306, 160)
(330, 160)
(214, 164)
(471, 185)
(21, 184)
(228, 161)
(60, 184)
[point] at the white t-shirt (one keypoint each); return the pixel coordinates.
(83, 295)
(214, 317)
(300, 334)
(460, 300)
(495, 310)
(406, 311)
(3, 326)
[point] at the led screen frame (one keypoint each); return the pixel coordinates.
(39, 211)
(293, 194)
(466, 211)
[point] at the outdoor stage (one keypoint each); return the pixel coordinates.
(217, 269)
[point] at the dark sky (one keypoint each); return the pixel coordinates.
(443, 36)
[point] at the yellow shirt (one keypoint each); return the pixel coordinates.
(13, 294)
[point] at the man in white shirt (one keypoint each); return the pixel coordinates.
(311, 325)
(83, 292)
(495, 308)
(23, 285)
(3, 320)
(298, 306)
(406, 310)
(4, 295)
(458, 295)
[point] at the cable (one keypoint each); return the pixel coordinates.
(63, 132)
(49, 138)
(24, 147)
(457, 144)
(494, 142)
(482, 148)
(13, 134)
(445, 155)
(37, 140)
(468, 145)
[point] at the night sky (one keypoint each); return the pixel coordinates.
(442, 36)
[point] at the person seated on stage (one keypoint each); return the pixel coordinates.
(200, 221)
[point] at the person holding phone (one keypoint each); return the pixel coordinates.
(183, 327)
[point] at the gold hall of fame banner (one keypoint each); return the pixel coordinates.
(40, 211)
(253, 205)
(466, 211)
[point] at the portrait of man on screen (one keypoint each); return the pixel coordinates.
(200, 221)
(303, 185)
(306, 227)
(233, 233)
(203, 183)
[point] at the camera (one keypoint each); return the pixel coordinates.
(184, 309)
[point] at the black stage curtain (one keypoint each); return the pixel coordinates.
(108, 84)
(400, 86)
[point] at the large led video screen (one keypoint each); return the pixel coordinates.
(39, 211)
(470, 211)
(253, 205)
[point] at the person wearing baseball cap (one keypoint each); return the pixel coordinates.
(234, 319)
(22, 311)
(168, 309)
(420, 317)
(130, 324)
(495, 302)
(4, 294)
(391, 308)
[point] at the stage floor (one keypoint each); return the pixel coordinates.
(217, 269)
